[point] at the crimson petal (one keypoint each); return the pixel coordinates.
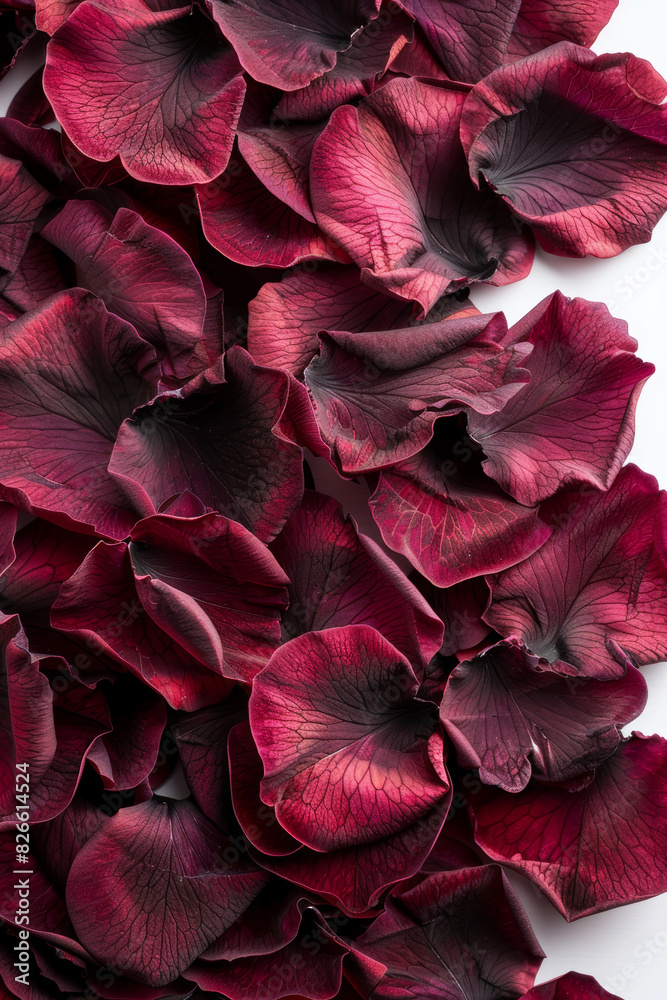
(153, 86)
(593, 597)
(510, 717)
(349, 755)
(389, 184)
(575, 144)
(574, 423)
(587, 850)
(150, 891)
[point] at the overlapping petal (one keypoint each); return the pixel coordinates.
(149, 83)
(574, 423)
(70, 373)
(575, 144)
(349, 755)
(377, 396)
(389, 184)
(592, 849)
(593, 597)
(512, 719)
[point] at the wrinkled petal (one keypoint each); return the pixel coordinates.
(593, 849)
(593, 597)
(576, 145)
(155, 87)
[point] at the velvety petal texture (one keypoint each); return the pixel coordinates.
(377, 395)
(344, 762)
(164, 95)
(592, 598)
(511, 718)
(288, 45)
(286, 316)
(575, 144)
(70, 373)
(389, 184)
(592, 849)
(574, 423)
(458, 935)
(153, 883)
(217, 438)
(339, 577)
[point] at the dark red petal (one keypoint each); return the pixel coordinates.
(141, 274)
(542, 22)
(571, 986)
(349, 756)
(248, 223)
(150, 891)
(156, 88)
(451, 530)
(575, 144)
(592, 849)
(341, 577)
(470, 39)
(99, 604)
(70, 373)
(389, 184)
(460, 934)
(574, 423)
(288, 46)
(217, 439)
(510, 717)
(594, 594)
(377, 395)
(286, 316)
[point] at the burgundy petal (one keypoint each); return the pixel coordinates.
(251, 225)
(70, 373)
(310, 965)
(594, 595)
(571, 986)
(99, 604)
(285, 317)
(201, 738)
(258, 821)
(126, 756)
(356, 71)
(340, 577)
(216, 439)
(452, 527)
(592, 849)
(288, 46)
(459, 935)
(355, 878)
(50, 14)
(349, 756)
(510, 717)
(200, 576)
(377, 395)
(574, 423)
(153, 86)
(150, 891)
(390, 185)
(30, 104)
(21, 200)
(575, 144)
(542, 22)
(141, 274)
(26, 704)
(40, 274)
(469, 38)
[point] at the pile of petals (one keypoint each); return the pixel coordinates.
(271, 754)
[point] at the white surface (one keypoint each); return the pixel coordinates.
(626, 948)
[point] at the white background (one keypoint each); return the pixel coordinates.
(626, 948)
